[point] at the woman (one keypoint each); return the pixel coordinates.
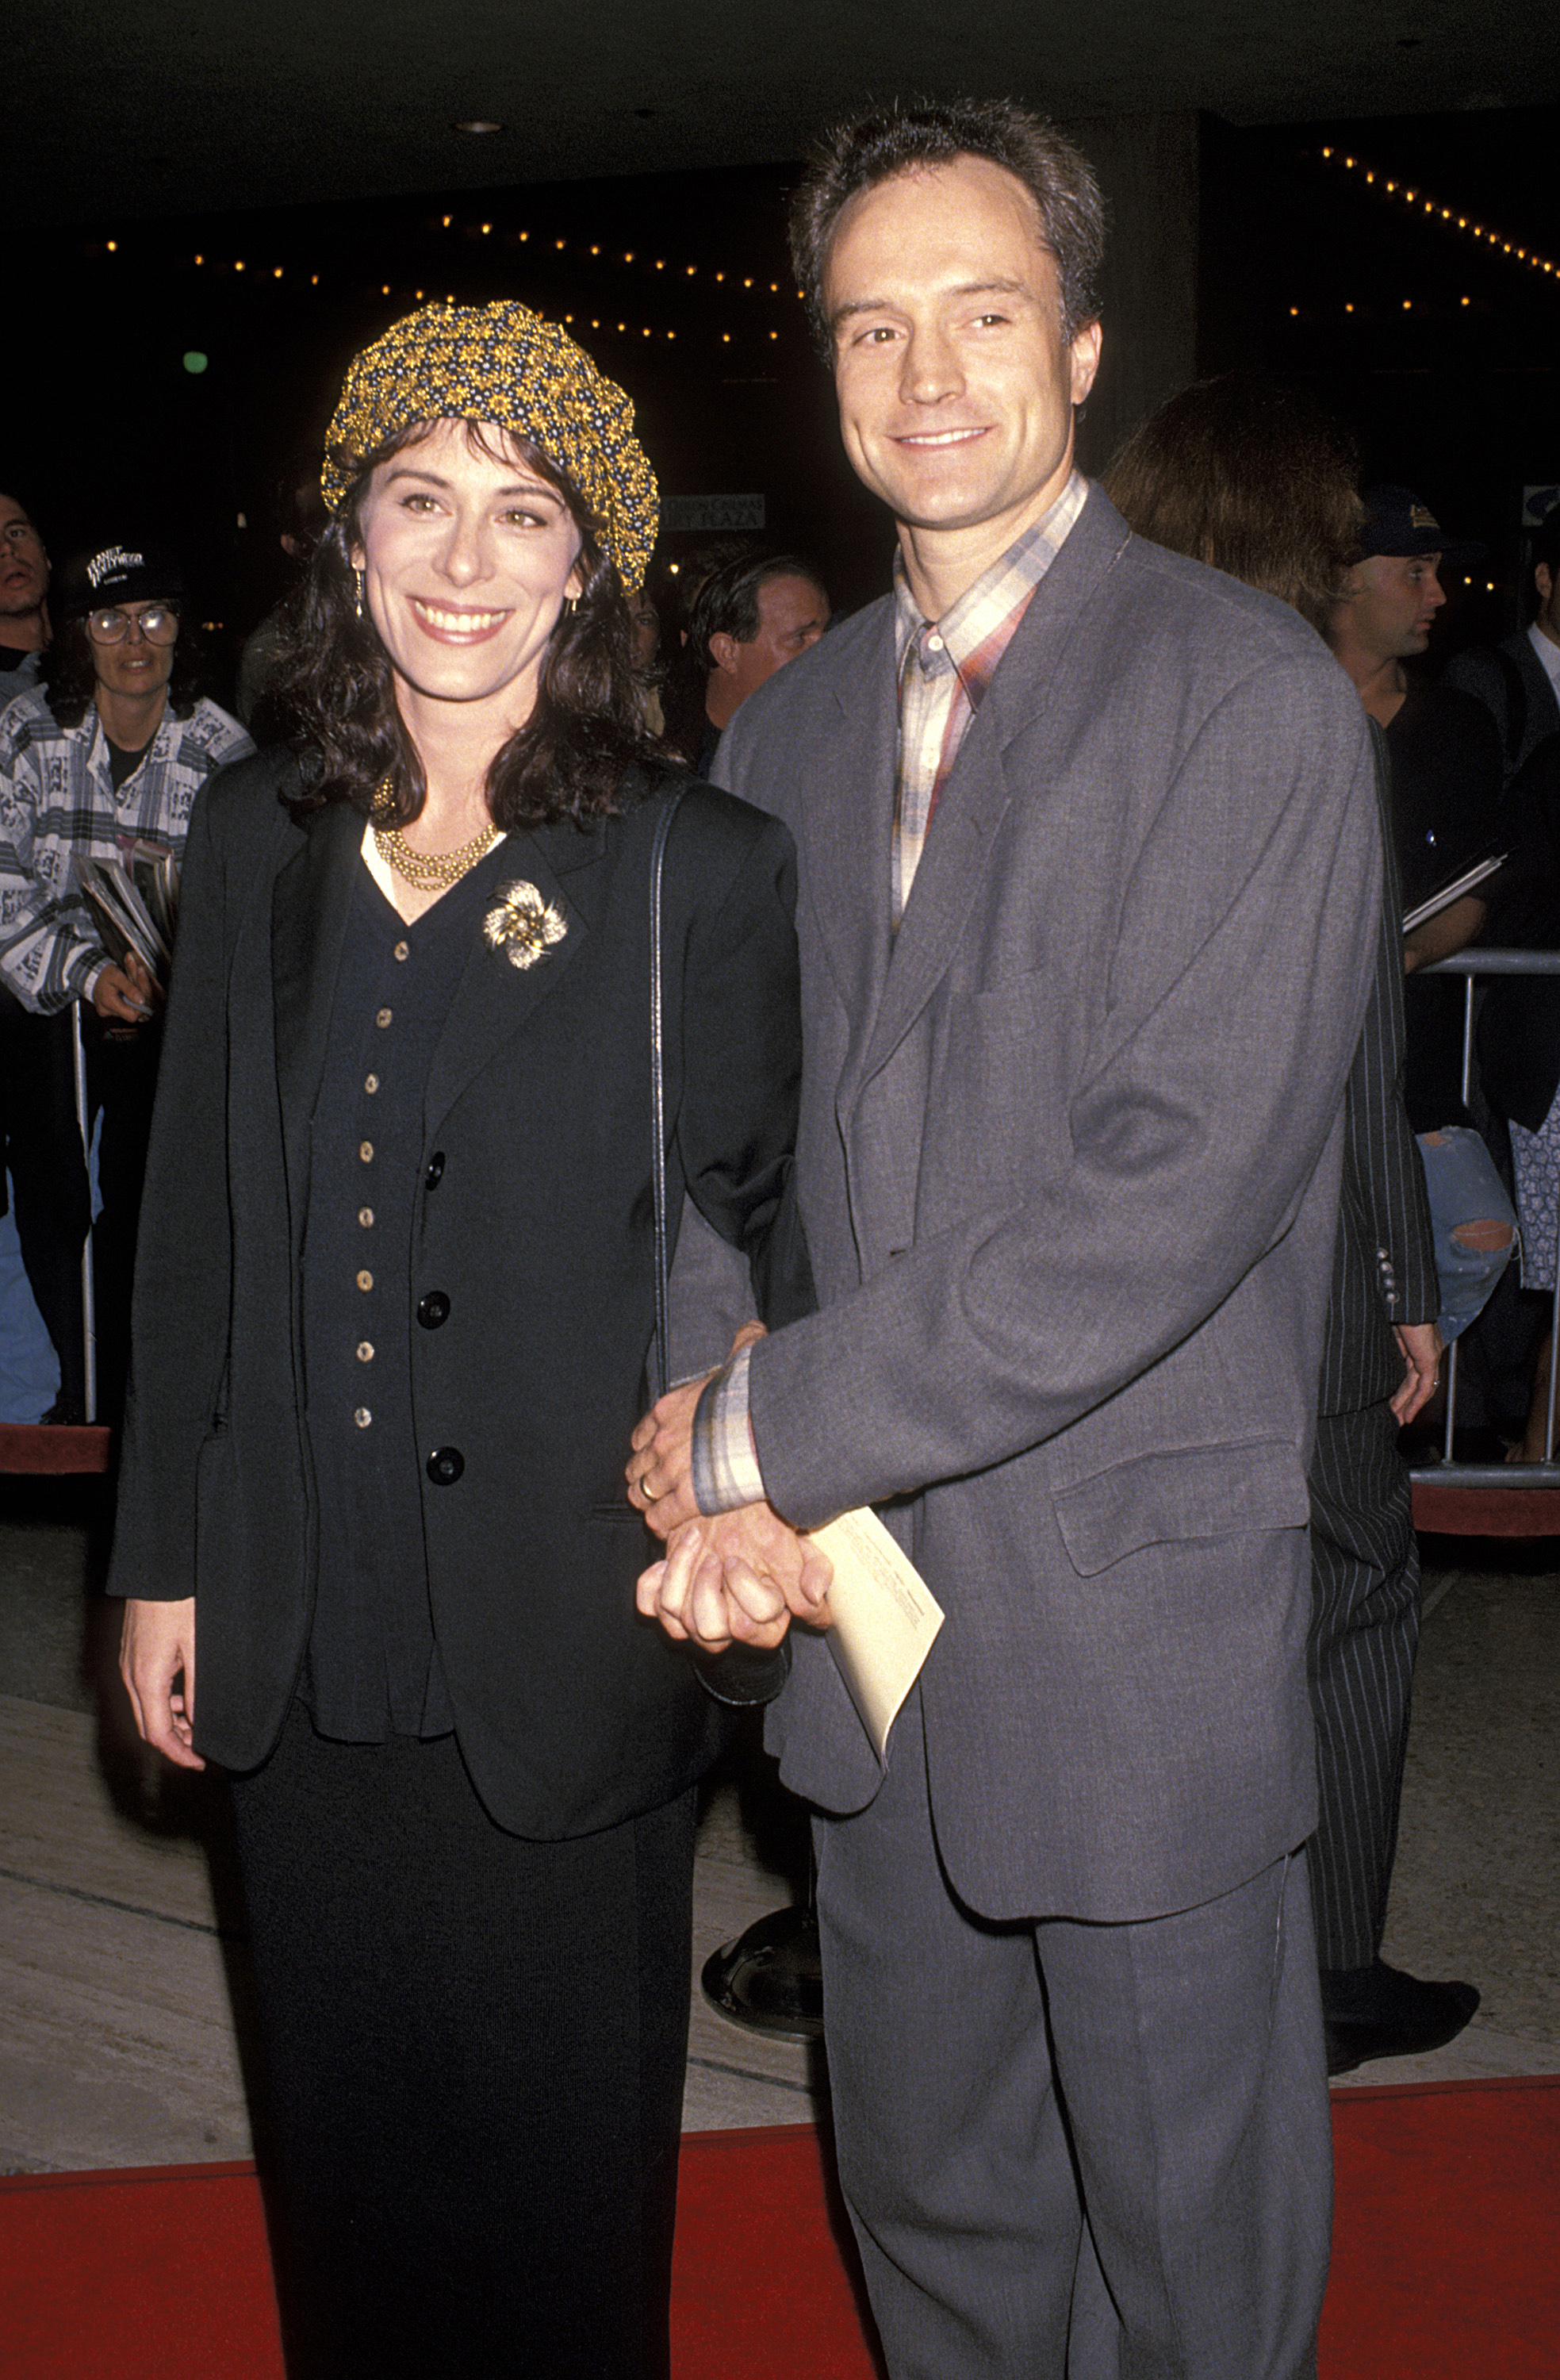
(395, 1315)
(1246, 475)
(99, 764)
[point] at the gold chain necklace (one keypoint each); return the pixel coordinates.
(429, 871)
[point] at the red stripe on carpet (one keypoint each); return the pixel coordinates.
(25, 1446)
(1444, 2262)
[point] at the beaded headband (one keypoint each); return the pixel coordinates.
(502, 363)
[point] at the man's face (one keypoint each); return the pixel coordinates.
(135, 665)
(1547, 581)
(956, 386)
(1393, 599)
(24, 565)
(792, 614)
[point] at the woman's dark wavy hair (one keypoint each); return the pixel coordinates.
(336, 692)
(1252, 477)
(70, 680)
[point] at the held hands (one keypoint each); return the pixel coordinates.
(659, 1471)
(739, 1578)
(157, 1663)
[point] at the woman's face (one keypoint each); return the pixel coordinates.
(466, 553)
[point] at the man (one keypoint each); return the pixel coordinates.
(1518, 681)
(1446, 785)
(106, 759)
(24, 613)
(749, 618)
(1090, 882)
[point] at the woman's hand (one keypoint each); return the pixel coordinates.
(126, 995)
(157, 1663)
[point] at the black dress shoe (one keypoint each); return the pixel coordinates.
(64, 1414)
(1378, 2011)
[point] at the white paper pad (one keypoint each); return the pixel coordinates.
(885, 1618)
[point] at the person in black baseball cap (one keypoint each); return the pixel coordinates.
(1397, 523)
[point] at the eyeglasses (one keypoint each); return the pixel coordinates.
(159, 624)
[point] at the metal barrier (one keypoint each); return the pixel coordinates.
(1492, 1499)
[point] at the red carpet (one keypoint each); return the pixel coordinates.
(1445, 2262)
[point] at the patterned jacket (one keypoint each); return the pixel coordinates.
(57, 803)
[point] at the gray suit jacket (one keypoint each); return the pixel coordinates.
(1069, 1165)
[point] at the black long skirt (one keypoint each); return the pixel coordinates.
(474, 2049)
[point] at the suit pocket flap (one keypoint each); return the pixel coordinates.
(1191, 1492)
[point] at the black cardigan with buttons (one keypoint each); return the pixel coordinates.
(571, 1713)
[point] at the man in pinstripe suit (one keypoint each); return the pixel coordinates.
(1378, 1368)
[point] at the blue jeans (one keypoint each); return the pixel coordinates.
(1475, 1227)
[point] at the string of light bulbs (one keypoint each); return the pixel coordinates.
(601, 325)
(1419, 201)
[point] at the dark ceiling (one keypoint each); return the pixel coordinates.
(180, 105)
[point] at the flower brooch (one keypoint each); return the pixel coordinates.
(522, 925)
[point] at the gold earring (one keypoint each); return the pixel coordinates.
(358, 575)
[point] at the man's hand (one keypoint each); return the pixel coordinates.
(740, 1578)
(126, 995)
(1422, 1347)
(659, 1471)
(157, 1663)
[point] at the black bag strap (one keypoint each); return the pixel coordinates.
(658, 1087)
(739, 1676)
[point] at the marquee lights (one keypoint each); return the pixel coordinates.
(1420, 202)
(661, 265)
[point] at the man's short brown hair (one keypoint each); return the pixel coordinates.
(892, 140)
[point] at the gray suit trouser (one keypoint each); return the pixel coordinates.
(1103, 2150)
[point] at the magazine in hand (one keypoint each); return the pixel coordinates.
(1460, 885)
(126, 920)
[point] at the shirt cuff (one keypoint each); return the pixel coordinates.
(725, 1468)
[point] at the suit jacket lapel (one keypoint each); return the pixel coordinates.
(849, 832)
(954, 862)
(308, 926)
(495, 998)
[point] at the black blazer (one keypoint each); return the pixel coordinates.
(535, 1220)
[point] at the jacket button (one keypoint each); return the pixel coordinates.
(445, 1465)
(435, 1172)
(433, 1310)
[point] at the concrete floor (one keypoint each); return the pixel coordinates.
(123, 1978)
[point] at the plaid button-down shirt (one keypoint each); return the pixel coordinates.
(58, 803)
(945, 667)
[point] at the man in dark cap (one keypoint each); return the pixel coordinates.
(1518, 681)
(102, 763)
(1445, 755)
